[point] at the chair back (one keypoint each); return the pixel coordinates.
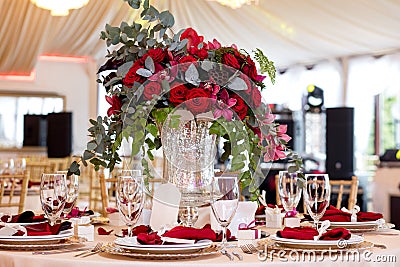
(345, 187)
(13, 190)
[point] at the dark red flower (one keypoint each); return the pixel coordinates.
(250, 69)
(193, 38)
(240, 107)
(256, 97)
(131, 77)
(157, 54)
(178, 93)
(230, 60)
(198, 101)
(115, 103)
(150, 89)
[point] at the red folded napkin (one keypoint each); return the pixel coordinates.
(46, 229)
(43, 229)
(183, 232)
(149, 239)
(308, 233)
(24, 217)
(336, 215)
(192, 233)
(76, 213)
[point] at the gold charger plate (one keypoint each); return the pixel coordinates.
(48, 245)
(272, 245)
(116, 250)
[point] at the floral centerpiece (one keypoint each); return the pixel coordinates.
(154, 70)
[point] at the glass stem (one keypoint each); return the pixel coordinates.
(224, 239)
(129, 231)
(316, 224)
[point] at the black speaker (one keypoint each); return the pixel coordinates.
(59, 134)
(35, 130)
(340, 142)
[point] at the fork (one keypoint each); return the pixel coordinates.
(92, 251)
(249, 249)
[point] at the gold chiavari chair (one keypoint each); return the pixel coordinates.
(13, 190)
(345, 187)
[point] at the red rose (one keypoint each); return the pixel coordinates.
(131, 77)
(198, 101)
(250, 68)
(193, 38)
(150, 89)
(187, 59)
(201, 53)
(256, 97)
(157, 54)
(177, 94)
(115, 103)
(240, 107)
(230, 60)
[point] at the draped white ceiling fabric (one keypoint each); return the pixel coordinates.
(290, 32)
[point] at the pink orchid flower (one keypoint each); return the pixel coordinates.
(214, 45)
(281, 133)
(223, 105)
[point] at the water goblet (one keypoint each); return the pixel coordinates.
(316, 195)
(72, 183)
(130, 197)
(53, 195)
(289, 190)
(224, 202)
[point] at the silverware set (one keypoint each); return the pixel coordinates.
(98, 248)
(249, 248)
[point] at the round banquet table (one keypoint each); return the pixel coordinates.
(375, 255)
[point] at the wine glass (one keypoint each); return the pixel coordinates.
(130, 197)
(72, 183)
(53, 195)
(224, 201)
(316, 195)
(289, 191)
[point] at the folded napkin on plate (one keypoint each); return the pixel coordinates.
(42, 229)
(24, 217)
(308, 233)
(183, 232)
(76, 213)
(336, 215)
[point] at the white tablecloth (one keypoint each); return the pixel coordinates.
(371, 257)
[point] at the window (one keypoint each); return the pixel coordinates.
(13, 107)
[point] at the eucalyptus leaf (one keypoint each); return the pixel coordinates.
(123, 69)
(149, 64)
(192, 75)
(91, 145)
(88, 155)
(237, 84)
(144, 72)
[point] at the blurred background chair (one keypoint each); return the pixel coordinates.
(344, 191)
(13, 191)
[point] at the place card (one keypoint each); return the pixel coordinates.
(166, 200)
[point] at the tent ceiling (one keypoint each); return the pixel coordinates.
(289, 32)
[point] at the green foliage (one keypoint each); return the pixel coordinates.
(266, 65)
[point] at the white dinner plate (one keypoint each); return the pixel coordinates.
(63, 235)
(132, 244)
(350, 224)
(354, 239)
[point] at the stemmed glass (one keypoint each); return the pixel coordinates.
(316, 195)
(289, 190)
(224, 201)
(53, 195)
(130, 197)
(72, 183)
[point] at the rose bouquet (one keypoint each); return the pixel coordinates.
(154, 71)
